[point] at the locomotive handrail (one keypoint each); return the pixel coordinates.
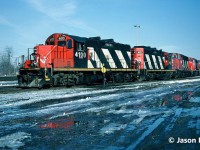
(49, 53)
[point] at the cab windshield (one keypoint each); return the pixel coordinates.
(61, 43)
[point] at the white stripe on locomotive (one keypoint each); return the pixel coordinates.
(93, 57)
(90, 64)
(145, 65)
(91, 53)
(183, 65)
(161, 64)
(187, 65)
(121, 58)
(155, 63)
(129, 55)
(163, 61)
(148, 61)
(109, 57)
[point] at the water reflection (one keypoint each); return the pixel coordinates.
(176, 97)
(61, 123)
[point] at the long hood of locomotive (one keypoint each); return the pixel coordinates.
(149, 58)
(108, 57)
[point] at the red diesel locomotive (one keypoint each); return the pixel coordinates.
(70, 60)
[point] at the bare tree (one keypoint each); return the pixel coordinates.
(6, 67)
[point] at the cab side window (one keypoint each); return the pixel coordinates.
(69, 44)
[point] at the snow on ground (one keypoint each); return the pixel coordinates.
(14, 140)
(137, 108)
(8, 83)
(112, 127)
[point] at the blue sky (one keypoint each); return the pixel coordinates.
(171, 25)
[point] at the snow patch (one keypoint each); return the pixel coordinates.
(149, 130)
(195, 100)
(194, 112)
(112, 127)
(176, 116)
(8, 83)
(14, 141)
(11, 100)
(181, 81)
(121, 111)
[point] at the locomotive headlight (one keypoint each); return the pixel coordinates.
(47, 78)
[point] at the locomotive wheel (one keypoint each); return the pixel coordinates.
(119, 78)
(76, 81)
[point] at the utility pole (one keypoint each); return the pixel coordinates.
(137, 27)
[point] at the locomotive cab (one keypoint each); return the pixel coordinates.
(60, 51)
(138, 58)
(166, 60)
(191, 64)
(175, 61)
(198, 65)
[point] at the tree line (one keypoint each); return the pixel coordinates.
(6, 65)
